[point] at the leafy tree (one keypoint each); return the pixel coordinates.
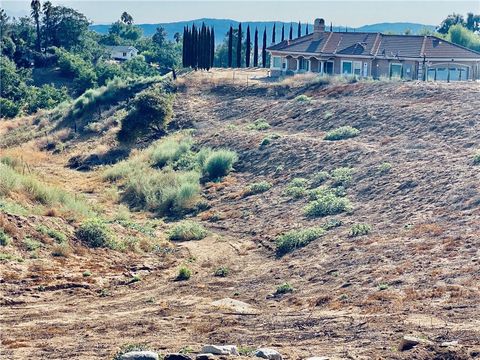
(66, 27)
(139, 67)
(36, 10)
(248, 45)
(160, 36)
(126, 18)
(473, 22)
(46, 97)
(177, 37)
(451, 20)
(126, 33)
(462, 36)
(47, 24)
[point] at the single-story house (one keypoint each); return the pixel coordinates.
(411, 57)
(121, 52)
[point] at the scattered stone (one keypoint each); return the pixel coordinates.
(449, 343)
(177, 356)
(408, 342)
(269, 354)
(220, 350)
(205, 356)
(139, 355)
(235, 306)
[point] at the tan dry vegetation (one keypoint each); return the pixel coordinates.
(415, 273)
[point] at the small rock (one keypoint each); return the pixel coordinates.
(318, 358)
(269, 354)
(408, 342)
(177, 356)
(206, 356)
(449, 343)
(220, 349)
(139, 355)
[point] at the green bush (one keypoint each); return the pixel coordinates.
(152, 111)
(257, 188)
(259, 124)
(319, 178)
(95, 233)
(327, 203)
(222, 272)
(360, 229)
(46, 97)
(172, 151)
(184, 273)
(187, 230)
(342, 176)
(296, 188)
(219, 163)
(344, 132)
(476, 158)
(31, 244)
(9, 108)
(384, 168)
(265, 141)
(58, 236)
(303, 98)
(295, 239)
(284, 289)
(4, 238)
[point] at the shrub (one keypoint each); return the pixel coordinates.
(95, 233)
(476, 158)
(257, 188)
(382, 287)
(303, 98)
(61, 250)
(296, 188)
(58, 236)
(222, 272)
(342, 176)
(360, 229)
(10, 109)
(184, 273)
(152, 111)
(295, 239)
(31, 244)
(284, 289)
(319, 178)
(259, 124)
(219, 163)
(170, 151)
(4, 238)
(327, 203)
(46, 97)
(344, 132)
(384, 168)
(187, 230)
(265, 141)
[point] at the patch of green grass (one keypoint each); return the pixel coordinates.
(4, 238)
(95, 233)
(284, 289)
(295, 239)
(135, 278)
(327, 203)
(31, 244)
(257, 188)
(296, 188)
(382, 287)
(219, 163)
(343, 132)
(476, 158)
(184, 273)
(359, 230)
(187, 230)
(129, 348)
(86, 273)
(342, 176)
(385, 168)
(58, 236)
(246, 350)
(319, 178)
(8, 257)
(259, 124)
(222, 271)
(303, 98)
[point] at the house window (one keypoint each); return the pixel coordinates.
(328, 67)
(302, 64)
(395, 70)
(357, 68)
(442, 74)
(346, 67)
(124, 54)
(277, 62)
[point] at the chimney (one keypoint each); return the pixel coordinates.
(318, 29)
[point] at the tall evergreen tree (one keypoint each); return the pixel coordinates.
(230, 46)
(299, 30)
(264, 48)
(331, 27)
(273, 33)
(47, 24)
(248, 46)
(212, 46)
(184, 47)
(290, 36)
(283, 32)
(239, 46)
(306, 29)
(255, 48)
(36, 10)
(193, 46)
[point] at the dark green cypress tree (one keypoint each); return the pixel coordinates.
(184, 47)
(239, 46)
(283, 32)
(306, 29)
(299, 30)
(290, 36)
(230, 46)
(193, 46)
(212, 46)
(255, 49)
(273, 33)
(264, 48)
(248, 46)
(208, 45)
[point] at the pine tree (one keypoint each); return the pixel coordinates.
(212, 46)
(255, 49)
(230, 45)
(264, 48)
(248, 46)
(239, 46)
(273, 33)
(299, 30)
(283, 32)
(291, 32)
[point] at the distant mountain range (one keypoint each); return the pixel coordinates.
(222, 26)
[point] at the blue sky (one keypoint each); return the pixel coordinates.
(353, 12)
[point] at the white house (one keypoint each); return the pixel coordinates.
(121, 52)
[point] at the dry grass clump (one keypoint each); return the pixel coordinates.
(187, 230)
(343, 132)
(295, 239)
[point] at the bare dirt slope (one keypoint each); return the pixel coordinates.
(416, 272)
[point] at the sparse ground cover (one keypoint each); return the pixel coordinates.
(397, 257)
